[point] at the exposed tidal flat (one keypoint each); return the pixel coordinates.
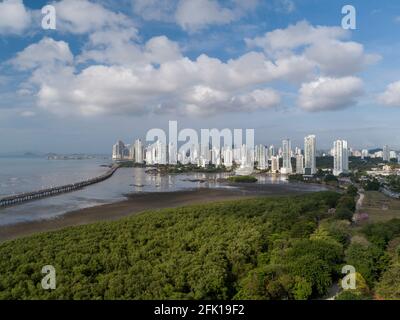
(128, 192)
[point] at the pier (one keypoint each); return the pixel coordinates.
(50, 192)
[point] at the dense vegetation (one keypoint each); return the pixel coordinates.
(394, 183)
(199, 252)
(371, 184)
(178, 168)
(265, 248)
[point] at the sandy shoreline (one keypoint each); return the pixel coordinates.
(135, 204)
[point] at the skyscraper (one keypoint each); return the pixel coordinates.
(341, 157)
(364, 153)
(299, 164)
(172, 154)
(119, 151)
(274, 164)
(310, 166)
(227, 155)
(138, 149)
(271, 151)
(286, 155)
(386, 153)
(261, 157)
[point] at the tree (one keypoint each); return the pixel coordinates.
(352, 190)
(389, 286)
(343, 213)
(346, 202)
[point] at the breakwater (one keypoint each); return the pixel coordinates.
(54, 191)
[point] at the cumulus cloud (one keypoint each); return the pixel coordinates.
(391, 96)
(160, 79)
(330, 93)
(83, 16)
(326, 48)
(193, 15)
(202, 100)
(117, 73)
(158, 10)
(14, 17)
(295, 36)
(46, 52)
(182, 86)
(122, 48)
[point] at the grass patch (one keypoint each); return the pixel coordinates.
(379, 207)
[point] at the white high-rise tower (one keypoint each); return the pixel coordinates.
(310, 166)
(341, 157)
(138, 151)
(386, 153)
(286, 155)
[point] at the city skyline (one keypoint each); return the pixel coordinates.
(261, 156)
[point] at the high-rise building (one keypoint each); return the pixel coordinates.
(393, 155)
(274, 164)
(172, 153)
(227, 155)
(261, 157)
(205, 155)
(299, 164)
(386, 153)
(341, 157)
(271, 151)
(138, 151)
(310, 150)
(119, 151)
(216, 156)
(286, 155)
(156, 153)
(364, 154)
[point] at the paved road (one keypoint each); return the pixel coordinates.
(360, 201)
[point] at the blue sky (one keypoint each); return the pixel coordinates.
(285, 68)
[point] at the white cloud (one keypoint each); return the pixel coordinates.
(193, 15)
(391, 96)
(83, 16)
(14, 17)
(202, 100)
(160, 78)
(338, 58)
(184, 86)
(330, 93)
(295, 36)
(127, 76)
(45, 53)
(158, 10)
(323, 47)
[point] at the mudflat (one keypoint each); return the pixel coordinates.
(136, 203)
